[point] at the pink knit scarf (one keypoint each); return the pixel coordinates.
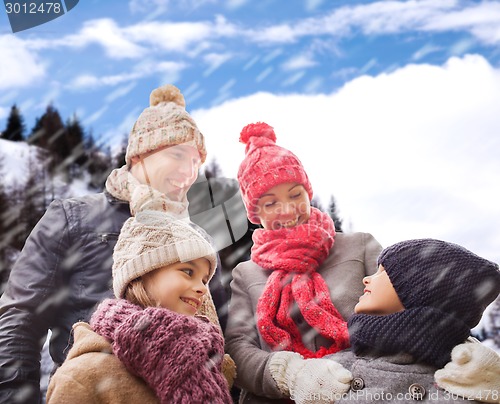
(294, 255)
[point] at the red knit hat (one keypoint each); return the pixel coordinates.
(265, 166)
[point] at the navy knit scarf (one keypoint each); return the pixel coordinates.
(427, 333)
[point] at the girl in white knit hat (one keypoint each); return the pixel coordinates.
(159, 340)
(64, 269)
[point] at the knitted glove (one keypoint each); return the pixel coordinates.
(110, 314)
(178, 356)
(309, 380)
(474, 373)
(229, 369)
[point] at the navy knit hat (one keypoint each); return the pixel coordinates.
(443, 275)
(444, 289)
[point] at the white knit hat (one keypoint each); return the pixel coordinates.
(152, 240)
(164, 123)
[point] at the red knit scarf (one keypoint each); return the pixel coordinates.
(293, 255)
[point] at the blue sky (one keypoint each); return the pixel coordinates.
(391, 105)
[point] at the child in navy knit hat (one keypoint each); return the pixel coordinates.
(291, 300)
(425, 297)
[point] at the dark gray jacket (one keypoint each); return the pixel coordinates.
(396, 379)
(63, 271)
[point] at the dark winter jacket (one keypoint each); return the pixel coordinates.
(63, 271)
(397, 379)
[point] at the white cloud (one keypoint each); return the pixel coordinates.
(104, 32)
(137, 40)
(110, 36)
(19, 67)
(391, 17)
(412, 153)
(134, 41)
(144, 69)
(169, 36)
(282, 33)
(481, 20)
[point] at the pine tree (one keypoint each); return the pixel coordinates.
(47, 133)
(15, 126)
(213, 170)
(315, 202)
(33, 197)
(47, 128)
(74, 139)
(99, 163)
(119, 158)
(72, 147)
(332, 211)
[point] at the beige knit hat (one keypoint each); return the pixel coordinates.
(164, 123)
(151, 240)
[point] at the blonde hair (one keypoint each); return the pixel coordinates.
(136, 293)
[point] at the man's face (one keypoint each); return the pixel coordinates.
(171, 170)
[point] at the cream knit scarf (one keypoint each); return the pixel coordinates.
(124, 186)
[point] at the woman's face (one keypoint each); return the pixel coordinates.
(379, 296)
(179, 287)
(171, 170)
(283, 206)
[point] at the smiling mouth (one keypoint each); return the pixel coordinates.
(178, 184)
(192, 302)
(287, 225)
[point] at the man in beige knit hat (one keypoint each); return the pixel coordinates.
(64, 269)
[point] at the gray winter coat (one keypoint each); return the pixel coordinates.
(63, 272)
(353, 256)
(395, 378)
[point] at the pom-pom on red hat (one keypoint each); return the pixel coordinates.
(265, 166)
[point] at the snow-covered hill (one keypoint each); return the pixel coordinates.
(15, 161)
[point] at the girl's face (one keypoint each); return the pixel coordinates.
(285, 205)
(379, 295)
(171, 170)
(179, 287)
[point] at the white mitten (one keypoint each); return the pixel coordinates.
(309, 380)
(474, 373)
